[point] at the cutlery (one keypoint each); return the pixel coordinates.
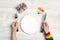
(43, 20)
(16, 17)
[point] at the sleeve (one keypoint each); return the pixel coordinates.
(48, 36)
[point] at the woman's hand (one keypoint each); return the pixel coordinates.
(14, 26)
(46, 27)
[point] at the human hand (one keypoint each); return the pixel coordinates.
(46, 27)
(14, 26)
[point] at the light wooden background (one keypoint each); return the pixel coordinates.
(7, 11)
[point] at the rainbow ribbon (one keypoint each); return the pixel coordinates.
(40, 11)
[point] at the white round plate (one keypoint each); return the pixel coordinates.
(29, 24)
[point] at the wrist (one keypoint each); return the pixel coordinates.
(46, 31)
(14, 31)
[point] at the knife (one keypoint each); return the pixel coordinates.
(43, 20)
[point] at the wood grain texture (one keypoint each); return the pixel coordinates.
(7, 11)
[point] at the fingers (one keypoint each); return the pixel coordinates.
(15, 24)
(46, 27)
(45, 24)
